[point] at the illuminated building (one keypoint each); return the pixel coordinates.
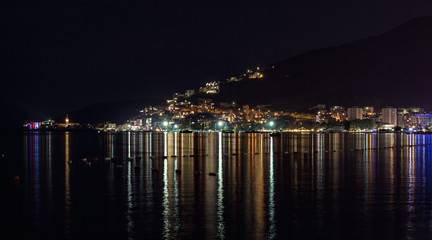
(110, 126)
(234, 79)
(424, 120)
(256, 74)
(138, 122)
(338, 113)
(401, 120)
(322, 116)
(416, 110)
(34, 125)
(355, 113)
(368, 111)
(189, 93)
(210, 88)
(67, 123)
(389, 115)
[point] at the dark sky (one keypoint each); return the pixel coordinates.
(64, 55)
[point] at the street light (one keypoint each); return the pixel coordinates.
(165, 123)
(271, 123)
(219, 124)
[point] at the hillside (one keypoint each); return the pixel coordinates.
(392, 69)
(116, 111)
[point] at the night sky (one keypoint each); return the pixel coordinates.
(63, 55)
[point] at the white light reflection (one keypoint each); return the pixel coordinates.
(150, 144)
(141, 140)
(272, 213)
(175, 144)
(165, 199)
(176, 191)
(112, 146)
(129, 211)
(129, 203)
(129, 145)
(220, 194)
(165, 144)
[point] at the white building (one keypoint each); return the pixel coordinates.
(423, 119)
(355, 113)
(389, 115)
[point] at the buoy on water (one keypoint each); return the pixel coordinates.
(212, 174)
(178, 171)
(155, 169)
(16, 179)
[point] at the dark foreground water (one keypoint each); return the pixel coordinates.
(297, 186)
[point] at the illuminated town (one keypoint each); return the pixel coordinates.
(196, 110)
(216, 120)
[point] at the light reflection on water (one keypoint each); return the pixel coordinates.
(220, 206)
(67, 193)
(297, 185)
(272, 222)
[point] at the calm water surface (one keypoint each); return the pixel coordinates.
(298, 186)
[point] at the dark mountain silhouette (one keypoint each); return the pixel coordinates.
(115, 111)
(392, 69)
